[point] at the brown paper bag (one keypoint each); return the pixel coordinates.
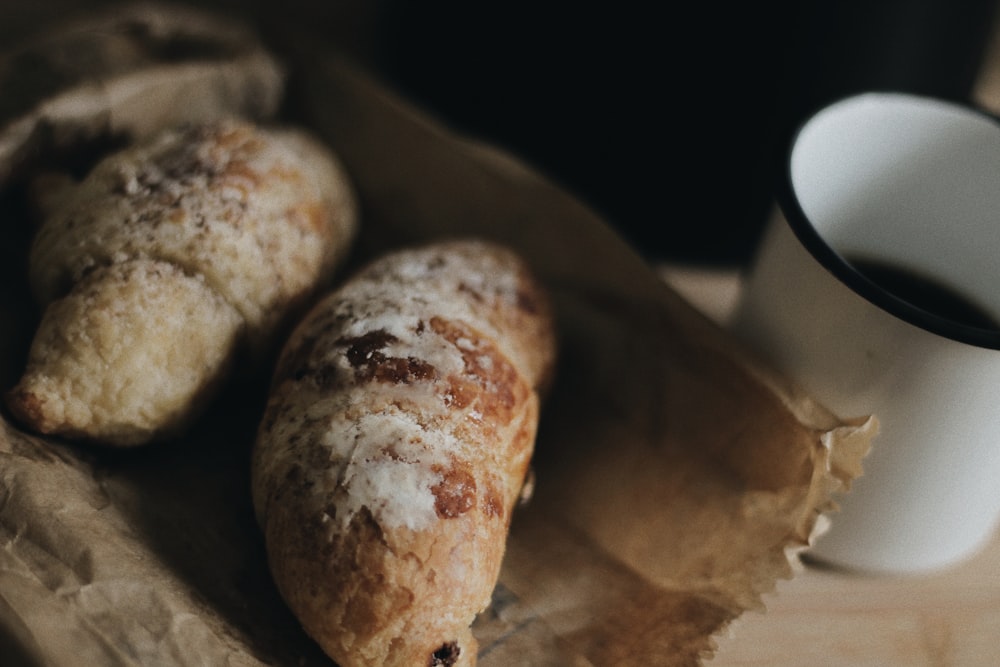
(676, 477)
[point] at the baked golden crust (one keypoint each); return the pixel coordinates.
(256, 218)
(394, 446)
(160, 331)
(261, 214)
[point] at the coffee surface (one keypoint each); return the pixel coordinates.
(926, 293)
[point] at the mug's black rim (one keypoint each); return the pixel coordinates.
(842, 269)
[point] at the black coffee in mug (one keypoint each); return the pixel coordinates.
(926, 293)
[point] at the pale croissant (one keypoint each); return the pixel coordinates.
(163, 263)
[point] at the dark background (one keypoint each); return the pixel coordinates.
(669, 120)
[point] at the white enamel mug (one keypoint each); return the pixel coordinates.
(914, 184)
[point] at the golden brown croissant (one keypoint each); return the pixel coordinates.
(394, 446)
(162, 261)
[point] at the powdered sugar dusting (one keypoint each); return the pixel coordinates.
(406, 368)
(391, 468)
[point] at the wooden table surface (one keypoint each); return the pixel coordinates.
(829, 618)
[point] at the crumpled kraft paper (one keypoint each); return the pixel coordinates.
(676, 477)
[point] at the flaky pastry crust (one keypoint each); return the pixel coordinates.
(394, 446)
(163, 261)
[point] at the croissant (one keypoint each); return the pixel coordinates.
(394, 446)
(169, 258)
